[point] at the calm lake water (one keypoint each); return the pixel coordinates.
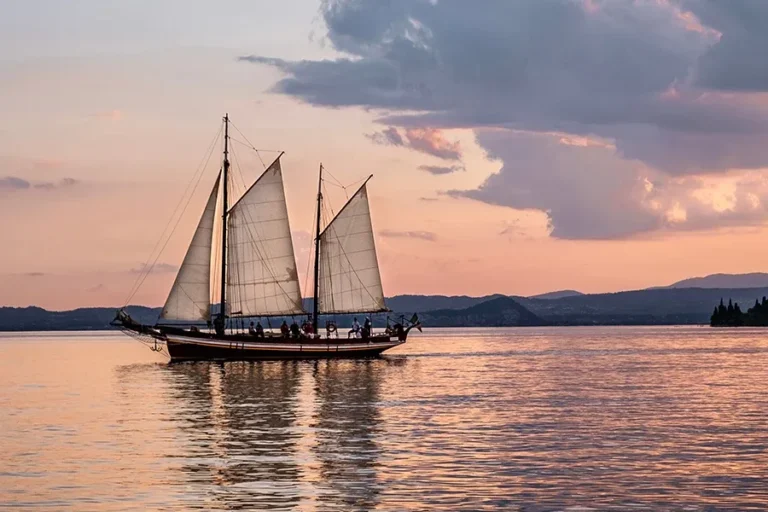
(672, 418)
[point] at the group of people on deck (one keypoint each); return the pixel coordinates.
(307, 330)
(359, 332)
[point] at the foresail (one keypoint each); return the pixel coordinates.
(190, 297)
(349, 280)
(261, 267)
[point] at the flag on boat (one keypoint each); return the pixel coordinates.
(415, 322)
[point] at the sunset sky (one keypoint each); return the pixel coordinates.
(518, 147)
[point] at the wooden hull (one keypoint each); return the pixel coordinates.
(182, 348)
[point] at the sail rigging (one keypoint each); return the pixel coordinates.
(349, 280)
(262, 279)
(189, 298)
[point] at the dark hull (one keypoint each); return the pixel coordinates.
(180, 351)
(194, 345)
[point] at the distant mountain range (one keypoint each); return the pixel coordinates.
(662, 306)
(721, 281)
(83, 319)
(690, 301)
(753, 280)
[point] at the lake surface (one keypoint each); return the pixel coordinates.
(672, 418)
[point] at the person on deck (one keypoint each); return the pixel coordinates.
(284, 329)
(295, 332)
(257, 331)
(219, 325)
(366, 328)
(355, 329)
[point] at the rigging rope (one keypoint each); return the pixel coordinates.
(239, 171)
(339, 184)
(147, 268)
(251, 145)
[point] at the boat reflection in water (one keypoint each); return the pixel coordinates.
(278, 434)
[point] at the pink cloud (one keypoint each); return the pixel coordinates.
(425, 140)
(433, 142)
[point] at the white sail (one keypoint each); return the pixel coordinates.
(190, 297)
(349, 280)
(261, 267)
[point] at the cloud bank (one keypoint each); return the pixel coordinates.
(614, 118)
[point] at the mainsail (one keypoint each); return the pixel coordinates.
(349, 279)
(261, 267)
(189, 298)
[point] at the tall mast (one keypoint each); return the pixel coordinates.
(317, 250)
(224, 208)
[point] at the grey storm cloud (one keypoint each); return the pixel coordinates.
(599, 195)
(531, 63)
(652, 77)
(540, 173)
(737, 61)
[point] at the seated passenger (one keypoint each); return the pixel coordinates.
(355, 329)
(284, 331)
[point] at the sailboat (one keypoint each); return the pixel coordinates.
(257, 279)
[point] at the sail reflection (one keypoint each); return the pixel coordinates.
(348, 423)
(272, 435)
(239, 421)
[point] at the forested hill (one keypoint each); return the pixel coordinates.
(666, 306)
(497, 312)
